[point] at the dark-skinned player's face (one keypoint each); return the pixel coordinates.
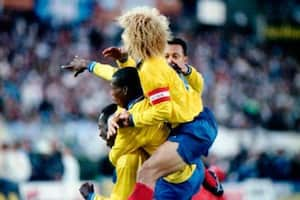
(118, 93)
(102, 127)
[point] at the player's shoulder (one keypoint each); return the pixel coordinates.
(156, 64)
(141, 105)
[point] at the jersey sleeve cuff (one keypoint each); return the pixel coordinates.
(130, 120)
(189, 71)
(91, 196)
(91, 66)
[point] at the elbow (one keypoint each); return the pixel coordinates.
(166, 110)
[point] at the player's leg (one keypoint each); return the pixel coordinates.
(188, 142)
(169, 158)
(164, 161)
(126, 174)
(165, 190)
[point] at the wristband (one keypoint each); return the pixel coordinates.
(189, 70)
(130, 121)
(91, 196)
(91, 66)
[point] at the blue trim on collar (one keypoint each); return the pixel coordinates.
(134, 101)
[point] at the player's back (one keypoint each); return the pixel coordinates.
(157, 77)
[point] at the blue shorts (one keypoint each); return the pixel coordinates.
(195, 137)
(183, 191)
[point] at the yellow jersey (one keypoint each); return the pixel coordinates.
(171, 101)
(127, 155)
(130, 139)
(126, 172)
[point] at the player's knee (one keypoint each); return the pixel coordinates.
(146, 169)
(148, 172)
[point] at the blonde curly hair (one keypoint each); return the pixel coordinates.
(146, 32)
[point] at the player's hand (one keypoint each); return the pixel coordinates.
(212, 183)
(85, 189)
(179, 67)
(124, 118)
(115, 53)
(112, 125)
(77, 65)
(109, 142)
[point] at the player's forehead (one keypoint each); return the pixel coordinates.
(115, 83)
(174, 48)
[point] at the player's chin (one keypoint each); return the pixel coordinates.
(102, 136)
(119, 103)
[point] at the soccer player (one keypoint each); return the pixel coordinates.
(194, 128)
(176, 54)
(127, 92)
(189, 140)
(126, 167)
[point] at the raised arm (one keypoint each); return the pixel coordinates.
(195, 79)
(78, 65)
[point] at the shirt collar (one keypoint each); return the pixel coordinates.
(134, 101)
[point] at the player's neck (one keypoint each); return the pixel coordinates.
(134, 101)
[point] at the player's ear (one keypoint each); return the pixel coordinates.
(125, 90)
(185, 59)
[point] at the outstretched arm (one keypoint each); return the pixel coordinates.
(78, 65)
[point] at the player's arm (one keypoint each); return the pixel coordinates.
(105, 71)
(122, 58)
(79, 65)
(124, 144)
(158, 94)
(195, 79)
(102, 70)
(159, 112)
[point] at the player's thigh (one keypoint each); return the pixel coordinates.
(165, 190)
(163, 161)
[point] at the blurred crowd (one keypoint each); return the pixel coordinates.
(20, 161)
(278, 165)
(247, 85)
(23, 161)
